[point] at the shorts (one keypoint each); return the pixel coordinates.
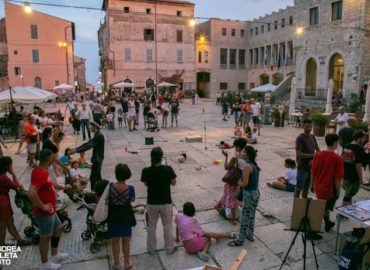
(47, 224)
(197, 244)
(32, 148)
(125, 115)
(237, 114)
(351, 188)
(256, 119)
(303, 180)
(330, 204)
(289, 187)
(246, 117)
(224, 110)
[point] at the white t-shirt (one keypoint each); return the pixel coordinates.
(110, 117)
(70, 105)
(254, 136)
(291, 176)
(131, 109)
(241, 163)
(256, 109)
(342, 117)
(73, 173)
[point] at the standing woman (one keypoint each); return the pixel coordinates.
(121, 217)
(6, 213)
(251, 196)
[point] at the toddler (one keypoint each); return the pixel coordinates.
(79, 181)
(289, 181)
(82, 163)
(237, 132)
(120, 118)
(66, 158)
(254, 137)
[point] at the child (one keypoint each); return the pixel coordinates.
(120, 118)
(82, 163)
(78, 180)
(110, 119)
(237, 132)
(224, 145)
(164, 113)
(254, 138)
(66, 158)
(195, 239)
(289, 181)
(248, 132)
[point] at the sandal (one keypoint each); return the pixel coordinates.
(234, 243)
(24, 242)
(130, 266)
(232, 235)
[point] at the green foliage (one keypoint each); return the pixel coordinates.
(319, 119)
(364, 126)
(355, 104)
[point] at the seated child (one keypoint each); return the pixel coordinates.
(78, 180)
(254, 137)
(237, 132)
(195, 239)
(224, 145)
(289, 181)
(66, 158)
(82, 163)
(248, 132)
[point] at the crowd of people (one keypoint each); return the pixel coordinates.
(323, 172)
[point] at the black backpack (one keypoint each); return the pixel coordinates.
(352, 255)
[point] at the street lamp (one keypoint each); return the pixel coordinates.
(192, 22)
(27, 8)
(299, 31)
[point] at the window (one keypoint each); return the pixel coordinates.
(179, 35)
(56, 83)
(241, 59)
(241, 86)
(233, 32)
(126, 10)
(148, 11)
(251, 32)
(223, 58)
(224, 31)
(275, 25)
(223, 85)
(251, 57)
(268, 27)
(149, 55)
(256, 30)
(282, 23)
(179, 13)
(15, 52)
(127, 55)
(262, 29)
(314, 16)
(35, 56)
(17, 71)
(38, 82)
(242, 33)
(179, 56)
(232, 58)
(206, 57)
(311, 77)
(336, 11)
(148, 34)
(290, 20)
(199, 57)
(34, 32)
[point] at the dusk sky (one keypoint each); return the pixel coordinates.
(87, 21)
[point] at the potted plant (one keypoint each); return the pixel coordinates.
(320, 122)
(364, 126)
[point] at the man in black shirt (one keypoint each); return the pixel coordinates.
(158, 179)
(97, 144)
(174, 104)
(346, 133)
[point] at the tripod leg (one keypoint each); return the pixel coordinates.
(291, 245)
(313, 247)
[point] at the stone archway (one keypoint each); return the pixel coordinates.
(336, 72)
(311, 77)
(127, 89)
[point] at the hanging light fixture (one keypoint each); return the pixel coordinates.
(27, 7)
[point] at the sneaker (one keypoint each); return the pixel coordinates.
(50, 266)
(328, 225)
(314, 236)
(203, 256)
(59, 257)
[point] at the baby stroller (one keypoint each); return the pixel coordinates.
(24, 203)
(71, 193)
(97, 231)
(152, 122)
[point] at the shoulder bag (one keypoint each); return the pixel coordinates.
(101, 211)
(233, 175)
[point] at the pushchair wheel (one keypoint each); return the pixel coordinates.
(35, 239)
(85, 235)
(29, 231)
(68, 227)
(94, 247)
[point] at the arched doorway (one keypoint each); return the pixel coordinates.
(311, 77)
(277, 78)
(149, 84)
(128, 89)
(336, 72)
(38, 83)
(264, 79)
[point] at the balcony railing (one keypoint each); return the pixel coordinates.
(223, 66)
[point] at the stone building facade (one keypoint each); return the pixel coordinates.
(221, 56)
(146, 42)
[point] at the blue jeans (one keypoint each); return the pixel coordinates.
(85, 125)
(303, 180)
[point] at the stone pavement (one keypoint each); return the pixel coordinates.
(199, 181)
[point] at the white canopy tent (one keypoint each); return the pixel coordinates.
(26, 95)
(64, 86)
(123, 85)
(264, 88)
(166, 84)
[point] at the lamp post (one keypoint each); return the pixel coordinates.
(64, 44)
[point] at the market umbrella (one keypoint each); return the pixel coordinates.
(293, 95)
(329, 98)
(26, 95)
(123, 85)
(264, 88)
(166, 84)
(64, 86)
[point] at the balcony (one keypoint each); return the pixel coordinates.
(223, 66)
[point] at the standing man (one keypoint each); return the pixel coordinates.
(353, 156)
(346, 133)
(256, 113)
(306, 146)
(341, 119)
(32, 139)
(85, 117)
(97, 144)
(236, 107)
(137, 109)
(174, 104)
(224, 105)
(327, 174)
(43, 197)
(158, 179)
(124, 105)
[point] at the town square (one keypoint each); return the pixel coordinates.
(245, 134)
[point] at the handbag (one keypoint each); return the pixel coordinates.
(101, 211)
(233, 175)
